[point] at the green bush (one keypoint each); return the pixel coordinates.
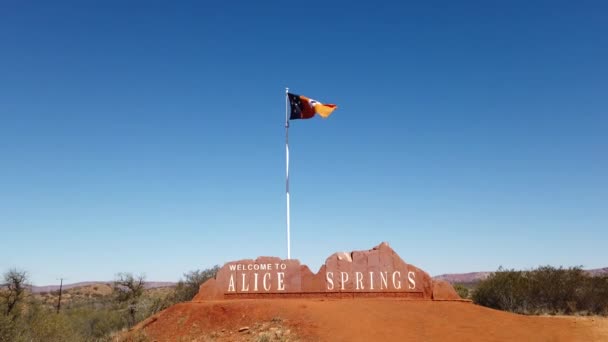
(462, 291)
(544, 290)
(36, 323)
(46, 325)
(594, 296)
(7, 328)
(94, 324)
(187, 288)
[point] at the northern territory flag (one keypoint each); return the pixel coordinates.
(304, 108)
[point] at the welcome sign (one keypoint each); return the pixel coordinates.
(372, 273)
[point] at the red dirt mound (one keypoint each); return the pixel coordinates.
(374, 319)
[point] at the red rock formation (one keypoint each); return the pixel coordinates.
(372, 273)
(442, 290)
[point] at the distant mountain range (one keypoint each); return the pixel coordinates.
(475, 277)
(50, 288)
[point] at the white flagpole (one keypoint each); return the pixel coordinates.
(287, 168)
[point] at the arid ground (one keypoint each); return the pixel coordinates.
(360, 320)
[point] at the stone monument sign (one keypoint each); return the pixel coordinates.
(378, 272)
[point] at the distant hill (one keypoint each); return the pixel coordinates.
(50, 288)
(598, 271)
(92, 292)
(463, 278)
(475, 277)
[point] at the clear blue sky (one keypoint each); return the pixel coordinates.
(149, 137)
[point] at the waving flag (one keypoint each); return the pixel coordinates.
(303, 107)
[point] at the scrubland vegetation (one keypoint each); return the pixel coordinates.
(545, 290)
(100, 312)
(94, 313)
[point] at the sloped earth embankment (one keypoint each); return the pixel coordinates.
(360, 320)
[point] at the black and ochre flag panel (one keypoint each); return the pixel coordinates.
(303, 107)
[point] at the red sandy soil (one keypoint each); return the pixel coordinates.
(377, 319)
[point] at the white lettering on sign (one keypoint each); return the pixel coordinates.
(244, 289)
(231, 284)
(329, 276)
(411, 281)
(396, 284)
(280, 281)
(264, 281)
(273, 279)
(344, 278)
(384, 280)
(257, 267)
(359, 280)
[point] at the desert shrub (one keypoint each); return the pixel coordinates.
(187, 288)
(556, 290)
(462, 291)
(594, 296)
(7, 329)
(36, 322)
(94, 324)
(544, 290)
(13, 290)
(503, 290)
(152, 305)
(46, 325)
(184, 291)
(128, 289)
